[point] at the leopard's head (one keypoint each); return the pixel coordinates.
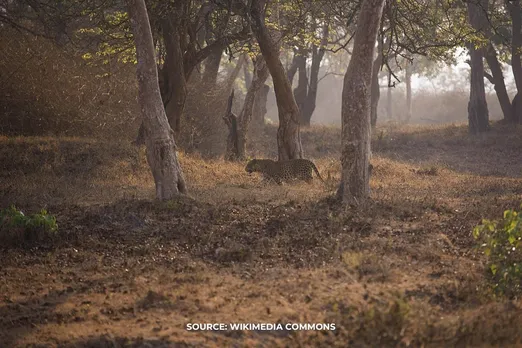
(252, 166)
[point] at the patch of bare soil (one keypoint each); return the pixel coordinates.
(127, 271)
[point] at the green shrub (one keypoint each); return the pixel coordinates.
(16, 228)
(501, 242)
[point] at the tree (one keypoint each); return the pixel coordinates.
(355, 143)
(407, 80)
(161, 147)
(288, 135)
(179, 30)
(477, 107)
(305, 92)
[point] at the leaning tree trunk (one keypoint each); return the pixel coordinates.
(477, 107)
(409, 112)
(288, 135)
(498, 82)
(376, 91)
(161, 147)
(355, 154)
(174, 86)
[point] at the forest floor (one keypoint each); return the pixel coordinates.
(128, 271)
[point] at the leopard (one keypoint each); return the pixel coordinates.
(288, 170)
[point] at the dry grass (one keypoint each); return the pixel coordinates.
(400, 270)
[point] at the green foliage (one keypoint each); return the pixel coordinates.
(17, 228)
(501, 242)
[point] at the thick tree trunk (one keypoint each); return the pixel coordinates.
(498, 81)
(409, 111)
(376, 91)
(212, 64)
(259, 112)
(174, 84)
(288, 135)
(161, 147)
(355, 157)
(477, 107)
(175, 93)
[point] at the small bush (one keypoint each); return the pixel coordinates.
(501, 242)
(16, 228)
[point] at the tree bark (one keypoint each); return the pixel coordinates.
(355, 154)
(288, 135)
(498, 82)
(248, 76)
(516, 63)
(376, 91)
(259, 112)
(212, 63)
(301, 90)
(409, 111)
(161, 147)
(260, 76)
(317, 56)
(292, 70)
(232, 140)
(478, 117)
(175, 93)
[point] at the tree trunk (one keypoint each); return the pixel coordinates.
(212, 63)
(498, 81)
(259, 112)
(301, 91)
(231, 79)
(409, 112)
(231, 121)
(292, 70)
(174, 84)
(260, 76)
(355, 157)
(288, 135)
(175, 94)
(477, 107)
(317, 56)
(375, 89)
(248, 76)
(161, 147)
(516, 47)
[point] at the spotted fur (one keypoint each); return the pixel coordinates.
(300, 169)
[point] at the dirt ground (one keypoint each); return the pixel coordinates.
(126, 271)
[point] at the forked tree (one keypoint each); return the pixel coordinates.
(159, 139)
(355, 143)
